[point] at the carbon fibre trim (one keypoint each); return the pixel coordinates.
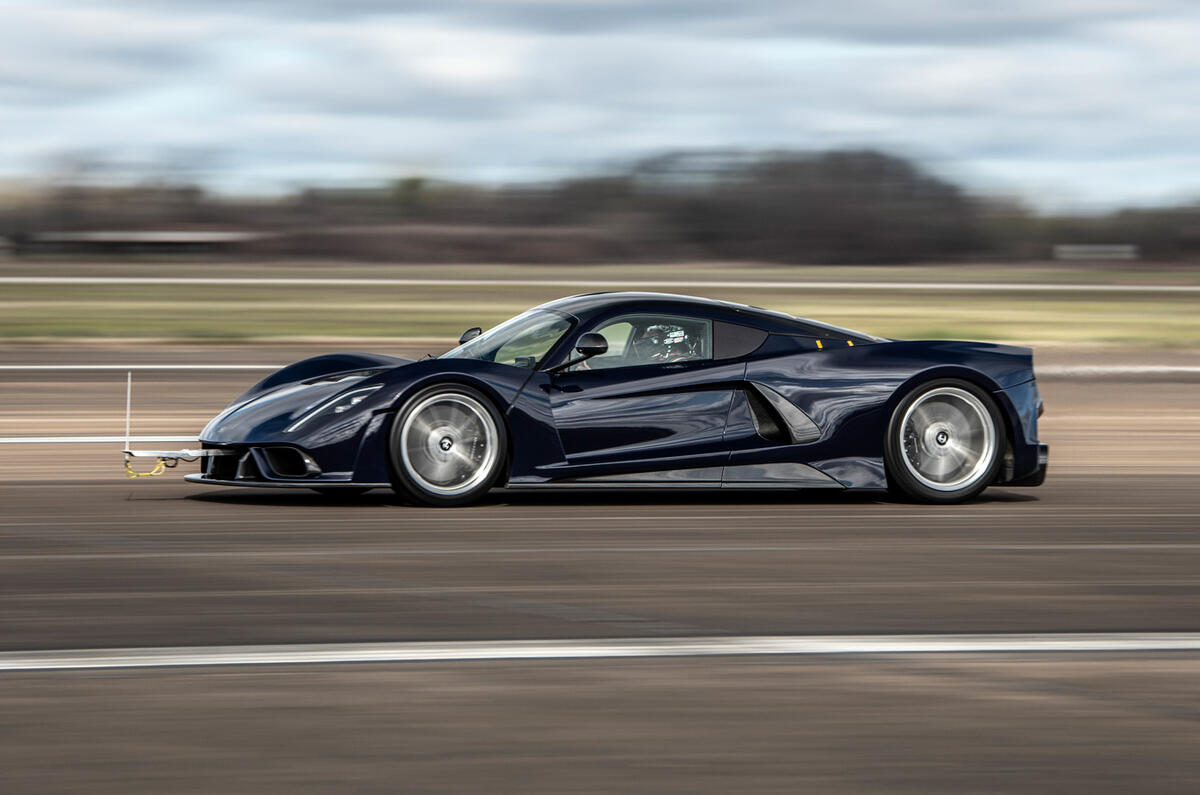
(196, 477)
(800, 428)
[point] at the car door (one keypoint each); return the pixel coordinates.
(656, 398)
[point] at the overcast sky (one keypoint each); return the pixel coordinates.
(1067, 103)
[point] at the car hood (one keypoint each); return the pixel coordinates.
(264, 411)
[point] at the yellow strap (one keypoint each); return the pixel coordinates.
(160, 466)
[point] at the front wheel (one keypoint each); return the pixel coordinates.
(447, 446)
(944, 442)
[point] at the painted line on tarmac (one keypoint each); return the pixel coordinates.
(190, 656)
(1093, 371)
(128, 367)
(92, 439)
(621, 284)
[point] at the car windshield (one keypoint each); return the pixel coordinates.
(521, 341)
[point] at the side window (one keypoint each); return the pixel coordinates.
(636, 340)
(617, 334)
(733, 340)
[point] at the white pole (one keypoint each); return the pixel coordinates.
(128, 404)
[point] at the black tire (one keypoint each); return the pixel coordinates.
(341, 492)
(448, 446)
(945, 442)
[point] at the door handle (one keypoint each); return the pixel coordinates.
(567, 388)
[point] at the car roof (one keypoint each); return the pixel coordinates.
(586, 305)
(589, 303)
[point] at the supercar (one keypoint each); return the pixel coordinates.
(624, 390)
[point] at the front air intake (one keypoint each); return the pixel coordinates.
(288, 462)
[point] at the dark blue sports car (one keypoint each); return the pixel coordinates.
(623, 390)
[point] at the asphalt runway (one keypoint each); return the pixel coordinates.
(88, 559)
(166, 563)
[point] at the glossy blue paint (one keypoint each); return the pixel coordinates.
(628, 423)
(628, 413)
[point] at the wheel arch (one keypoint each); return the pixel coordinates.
(1004, 404)
(435, 379)
(451, 379)
(371, 462)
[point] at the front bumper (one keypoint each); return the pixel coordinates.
(199, 477)
(268, 465)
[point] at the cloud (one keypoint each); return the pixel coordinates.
(887, 21)
(1069, 101)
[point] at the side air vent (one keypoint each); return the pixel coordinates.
(766, 421)
(777, 419)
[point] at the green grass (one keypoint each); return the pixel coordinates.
(234, 312)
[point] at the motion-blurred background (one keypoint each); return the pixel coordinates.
(380, 175)
(655, 143)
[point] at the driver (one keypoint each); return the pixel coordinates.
(664, 343)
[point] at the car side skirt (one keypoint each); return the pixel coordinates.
(746, 476)
(751, 476)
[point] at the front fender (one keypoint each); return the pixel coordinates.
(501, 383)
(316, 366)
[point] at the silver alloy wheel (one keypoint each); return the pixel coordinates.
(449, 443)
(948, 439)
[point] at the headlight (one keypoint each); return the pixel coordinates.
(336, 405)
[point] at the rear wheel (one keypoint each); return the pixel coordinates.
(944, 442)
(447, 446)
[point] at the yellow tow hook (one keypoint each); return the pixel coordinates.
(160, 466)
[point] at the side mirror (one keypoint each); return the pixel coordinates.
(587, 346)
(591, 344)
(470, 334)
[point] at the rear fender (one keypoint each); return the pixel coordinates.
(1020, 452)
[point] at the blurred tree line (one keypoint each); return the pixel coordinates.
(849, 206)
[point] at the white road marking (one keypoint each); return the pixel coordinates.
(323, 653)
(92, 439)
(128, 367)
(619, 284)
(1086, 370)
